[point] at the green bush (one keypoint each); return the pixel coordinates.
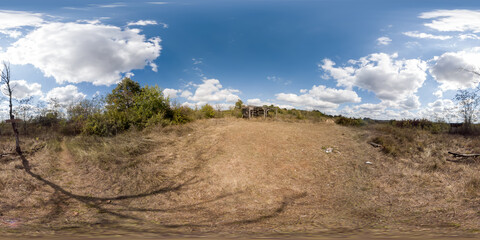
(99, 124)
(128, 106)
(207, 111)
(356, 122)
(149, 102)
(433, 127)
(182, 114)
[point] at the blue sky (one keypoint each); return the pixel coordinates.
(379, 59)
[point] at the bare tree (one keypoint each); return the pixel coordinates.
(6, 80)
(469, 102)
(24, 110)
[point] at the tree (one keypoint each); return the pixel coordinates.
(468, 102)
(208, 111)
(78, 113)
(148, 103)
(6, 80)
(122, 97)
(129, 105)
(24, 110)
(239, 104)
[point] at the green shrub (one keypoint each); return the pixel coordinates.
(356, 122)
(433, 127)
(128, 106)
(182, 114)
(149, 102)
(99, 124)
(299, 115)
(207, 111)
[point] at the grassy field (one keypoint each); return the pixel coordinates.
(235, 176)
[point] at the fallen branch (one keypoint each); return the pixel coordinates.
(464, 154)
(375, 144)
(6, 154)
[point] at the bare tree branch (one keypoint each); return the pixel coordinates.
(6, 79)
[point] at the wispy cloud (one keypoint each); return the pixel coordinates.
(157, 3)
(197, 61)
(416, 34)
(458, 20)
(12, 21)
(76, 8)
(147, 22)
(279, 80)
(383, 41)
(112, 5)
(468, 36)
(142, 23)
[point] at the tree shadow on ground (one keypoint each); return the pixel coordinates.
(120, 212)
(96, 202)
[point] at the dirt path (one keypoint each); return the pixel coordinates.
(211, 176)
(256, 175)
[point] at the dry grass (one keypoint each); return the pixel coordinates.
(233, 175)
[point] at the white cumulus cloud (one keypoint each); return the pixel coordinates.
(438, 93)
(186, 94)
(409, 102)
(440, 109)
(84, 52)
(258, 102)
(389, 78)
(209, 91)
(22, 89)
(171, 93)
(212, 91)
(319, 97)
(64, 95)
(380, 111)
(453, 70)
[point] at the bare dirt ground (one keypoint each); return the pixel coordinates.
(225, 177)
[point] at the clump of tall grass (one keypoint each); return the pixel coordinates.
(472, 187)
(398, 141)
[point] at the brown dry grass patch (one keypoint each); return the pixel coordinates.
(240, 176)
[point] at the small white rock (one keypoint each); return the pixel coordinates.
(368, 162)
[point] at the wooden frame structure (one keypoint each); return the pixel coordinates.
(256, 111)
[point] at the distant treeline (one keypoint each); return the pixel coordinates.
(424, 124)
